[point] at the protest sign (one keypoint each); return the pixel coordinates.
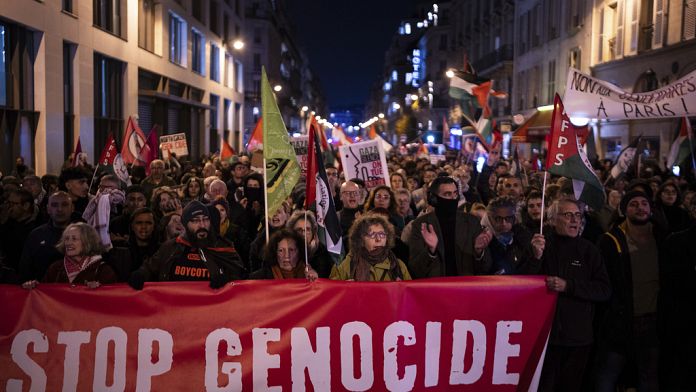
(482, 333)
(589, 97)
(299, 143)
(175, 143)
(365, 160)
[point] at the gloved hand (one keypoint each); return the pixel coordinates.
(217, 281)
(137, 280)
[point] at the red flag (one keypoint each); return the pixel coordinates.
(78, 151)
(373, 132)
(256, 140)
(311, 176)
(150, 150)
(133, 142)
(320, 130)
(227, 151)
(109, 152)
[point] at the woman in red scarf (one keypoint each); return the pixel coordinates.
(83, 263)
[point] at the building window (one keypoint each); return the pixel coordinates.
(214, 17)
(214, 102)
(108, 99)
(227, 109)
(257, 36)
(575, 59)
(689, 23)
(551, 82)
(226, 27)
(146, 24)
(68, 6)
(443, 42)
(238, 76)
(257, 62)
(107, 15)
(4, 65)
(68, 101)
(576, 9)
(214, 62)
(197, 52)
(197, 10)
(177, 39)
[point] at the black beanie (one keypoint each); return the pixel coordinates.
(628, 197)
(192, 210)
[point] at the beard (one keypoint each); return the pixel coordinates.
(638, 221)
(196, 240)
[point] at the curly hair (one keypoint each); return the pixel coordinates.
(361, 228)
(270, 251)
(300, 215)
(502, 202)
(91, 244)
(370, 203)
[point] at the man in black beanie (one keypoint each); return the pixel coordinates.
(629, 324)
(198, 254)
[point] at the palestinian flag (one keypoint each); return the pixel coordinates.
(473, 92)
(516, 168)
(227, 151)
(319, 193)
(682, 145)
(567, 158)
(625, 159)
(255, 142)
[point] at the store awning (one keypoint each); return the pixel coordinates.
(534, 129)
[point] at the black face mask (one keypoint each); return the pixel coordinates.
(253, 194)
(446, 206)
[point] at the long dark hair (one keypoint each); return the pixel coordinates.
(370, 203)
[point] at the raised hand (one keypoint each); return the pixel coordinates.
(429, 236)
(482, 240)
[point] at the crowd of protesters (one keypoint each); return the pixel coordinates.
(625, 274)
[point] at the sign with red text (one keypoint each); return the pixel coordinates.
(480, 333)
(175, 143)
(299, 144)
(589, 97)
(366, 161)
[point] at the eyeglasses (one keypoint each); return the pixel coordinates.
(378, 235)
(507, 219)
(568, 215)
(350, 193)
(382, 197)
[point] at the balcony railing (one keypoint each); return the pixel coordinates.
(504, 53)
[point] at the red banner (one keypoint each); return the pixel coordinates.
(487, 333)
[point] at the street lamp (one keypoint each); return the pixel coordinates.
(304, 108)
(450, 73)
(381, 115)
(277, 88)
(414, 97)
(238, 44)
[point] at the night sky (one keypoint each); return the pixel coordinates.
(346, 41)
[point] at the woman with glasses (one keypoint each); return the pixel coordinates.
(371, 258)
(284, 258)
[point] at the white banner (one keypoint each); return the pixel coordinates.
(299, 143)
(175, 143)
(589, 97)
(366, 161)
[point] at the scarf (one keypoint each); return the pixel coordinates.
(224, 226)
(363, 261)
(297, 273)
(98, 212)
(504, 238)
(73, 266)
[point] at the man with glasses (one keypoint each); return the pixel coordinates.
(512, 250)
(198, 254)
(575, 271)
(350, 199)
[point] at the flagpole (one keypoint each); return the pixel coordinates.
(93, 175)
(543, 194)
(691, 146)
(265, 198)
(306, 256)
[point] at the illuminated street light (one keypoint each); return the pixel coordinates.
(381, 115)
(414, 97)
(305, 108)
(238, 44)
(449, 73)
(277, 88)
(396, 106)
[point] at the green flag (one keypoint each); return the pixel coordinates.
(282, 170)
